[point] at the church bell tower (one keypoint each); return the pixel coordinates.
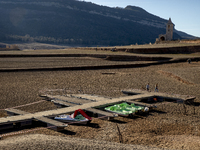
(169, 30)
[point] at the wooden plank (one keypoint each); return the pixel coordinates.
(175, 96)
(52, 124)
(102, 113)
(142, 104)
(164, 95)
(90, 97)
(136, 97)
(70, 99)
(12, 112)
(62, 103)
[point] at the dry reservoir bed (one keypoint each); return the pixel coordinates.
(53, 62)
(166, 127)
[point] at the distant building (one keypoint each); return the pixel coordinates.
(2, 46)
(169, 32)
(8, 47)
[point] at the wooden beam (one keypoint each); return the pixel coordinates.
(13, 112)
(142, 104)
(90, 97)
(52, 124)
(69, 99)
(156, 94)
(101, 113)
(59, 102)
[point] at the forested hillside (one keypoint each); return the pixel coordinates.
(77, 23)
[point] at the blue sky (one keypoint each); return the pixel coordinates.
(185, 14)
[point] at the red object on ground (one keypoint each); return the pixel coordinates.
(82, 113)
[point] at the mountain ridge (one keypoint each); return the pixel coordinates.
(77, 22)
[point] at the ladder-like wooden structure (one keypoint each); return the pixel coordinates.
(89, 103)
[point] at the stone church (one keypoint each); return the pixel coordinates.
(169, 32)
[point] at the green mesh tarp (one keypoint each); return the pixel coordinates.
(124, 108)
